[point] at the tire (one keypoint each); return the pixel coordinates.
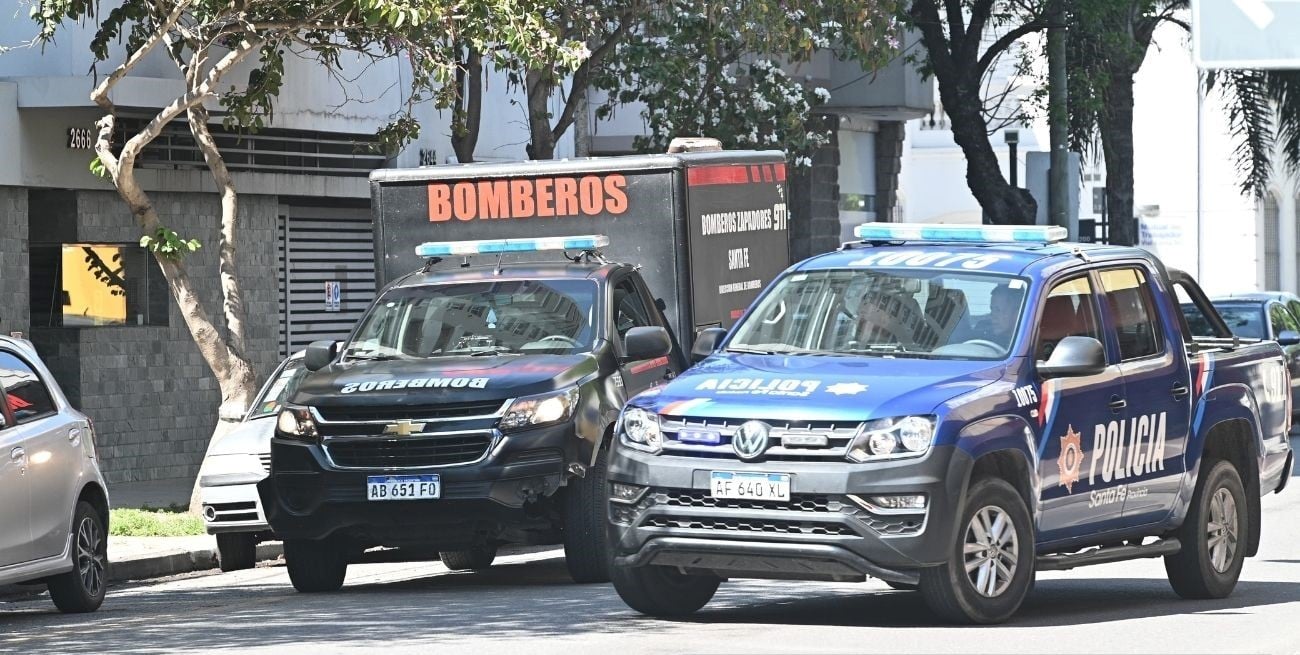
(473, 559)
(950, 591)
(586, 547)
(315, 565)
(236, 551)
(901, 586)
(82, 589)
(663, 591)
(1202, 570)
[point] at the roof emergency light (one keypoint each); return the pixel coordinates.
(501, 246)
(973, 233)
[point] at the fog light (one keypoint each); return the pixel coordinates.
(209, 512)
(898, 502)
(628, 494)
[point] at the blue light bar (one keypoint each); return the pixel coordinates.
(496, 246)
(976, 233)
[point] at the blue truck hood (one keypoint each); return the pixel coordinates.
(813, 388)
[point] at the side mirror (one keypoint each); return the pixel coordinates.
(319, 354)
(1288, 338)
(646, 342)
(706, 343)
(1074, 356)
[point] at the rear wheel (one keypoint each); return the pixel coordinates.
(1213, 536)
(472, 559)
(236, 551)
(82, 589)
(315, 565)
(663, 591)
(991, 565)
(586, 551)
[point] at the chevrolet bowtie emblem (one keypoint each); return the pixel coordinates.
(404, 428)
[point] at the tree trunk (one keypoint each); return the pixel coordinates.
(1115, 122)
(469, 107)
(539, 86)
(1002, 203)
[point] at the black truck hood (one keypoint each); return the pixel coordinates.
(441, 380)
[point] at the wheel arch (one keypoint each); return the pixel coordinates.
(1234, 440)
(95, 495)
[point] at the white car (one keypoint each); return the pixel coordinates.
(53, 501)
(235, 464)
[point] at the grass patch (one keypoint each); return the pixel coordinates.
(154, 523)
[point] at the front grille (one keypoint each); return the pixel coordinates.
(444, 411)
(265, 459)
(766, 526)
(700, 498)
(234, 512)
(410, 452)
(837, 438)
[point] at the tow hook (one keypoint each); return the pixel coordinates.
(578, 470)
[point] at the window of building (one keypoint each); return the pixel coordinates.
(23, 392)
(1133, 312)
(83, 285)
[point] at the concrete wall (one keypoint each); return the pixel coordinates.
(14, 305)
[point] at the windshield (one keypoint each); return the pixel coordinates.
(912, 313)
(1245, 321)
(551, 317)
(281, 387)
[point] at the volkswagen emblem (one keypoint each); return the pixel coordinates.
(750, 440)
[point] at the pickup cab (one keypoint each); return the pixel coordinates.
(952, 409)
(472, 407)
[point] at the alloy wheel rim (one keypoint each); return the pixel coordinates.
(90, 557)
(991, 551)
(1221, 531)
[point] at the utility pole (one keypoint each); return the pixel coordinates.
(1058, 177)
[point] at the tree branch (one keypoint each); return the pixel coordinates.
(100, 94)
(986, 60)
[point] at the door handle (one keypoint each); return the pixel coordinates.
(1179, 390)
(17, 454)
(1116, 404)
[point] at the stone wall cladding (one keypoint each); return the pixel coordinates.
(815, 198)
(151, 394)
(14, 287)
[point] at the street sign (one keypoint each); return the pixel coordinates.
(333, 296)
(1246, 33)
(1099, 200)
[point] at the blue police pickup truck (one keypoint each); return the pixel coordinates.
(952, 409)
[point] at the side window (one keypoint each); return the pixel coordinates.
(1136, 323)
(26, 395)
(1281, 319)
(629, 308)
(1293, 306)
(1069, 311)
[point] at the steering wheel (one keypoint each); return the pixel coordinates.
(985, 343)
(560, 337)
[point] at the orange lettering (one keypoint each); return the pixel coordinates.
(544, 197)
(439, 205)
(494, 199)
(614, 185)
(521, 198)
(464, 201)
(590, 198)
(566, 196)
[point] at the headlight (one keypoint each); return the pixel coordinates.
(640, 430)
(296, 423)
(890, 438)
(232, 465)
(544, 409)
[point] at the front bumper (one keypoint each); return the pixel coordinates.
(307, 496)
(825, 532)
(233, 508)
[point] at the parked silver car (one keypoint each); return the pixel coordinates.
(235, 464)
(53, 500)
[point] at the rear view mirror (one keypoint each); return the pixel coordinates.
(1288, 338)
(646, 342)
(319, 355)
(706, 343)
(1074, 356)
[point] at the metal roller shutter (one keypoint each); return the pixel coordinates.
(320, 245)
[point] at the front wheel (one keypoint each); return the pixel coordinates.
(663, 591)
(586, 550)
(82, 589)
(1212, 537)
(991, 564)
(315, 565)
(236, 551)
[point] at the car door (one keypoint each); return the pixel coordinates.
(52, 441)
(1069, 411)
(1141, 456)
(1280, 320)
(15, 530)
(631, 309)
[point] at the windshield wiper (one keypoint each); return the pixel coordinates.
(370, 356)
(760, 351)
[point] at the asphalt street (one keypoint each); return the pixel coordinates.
(526, 604)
